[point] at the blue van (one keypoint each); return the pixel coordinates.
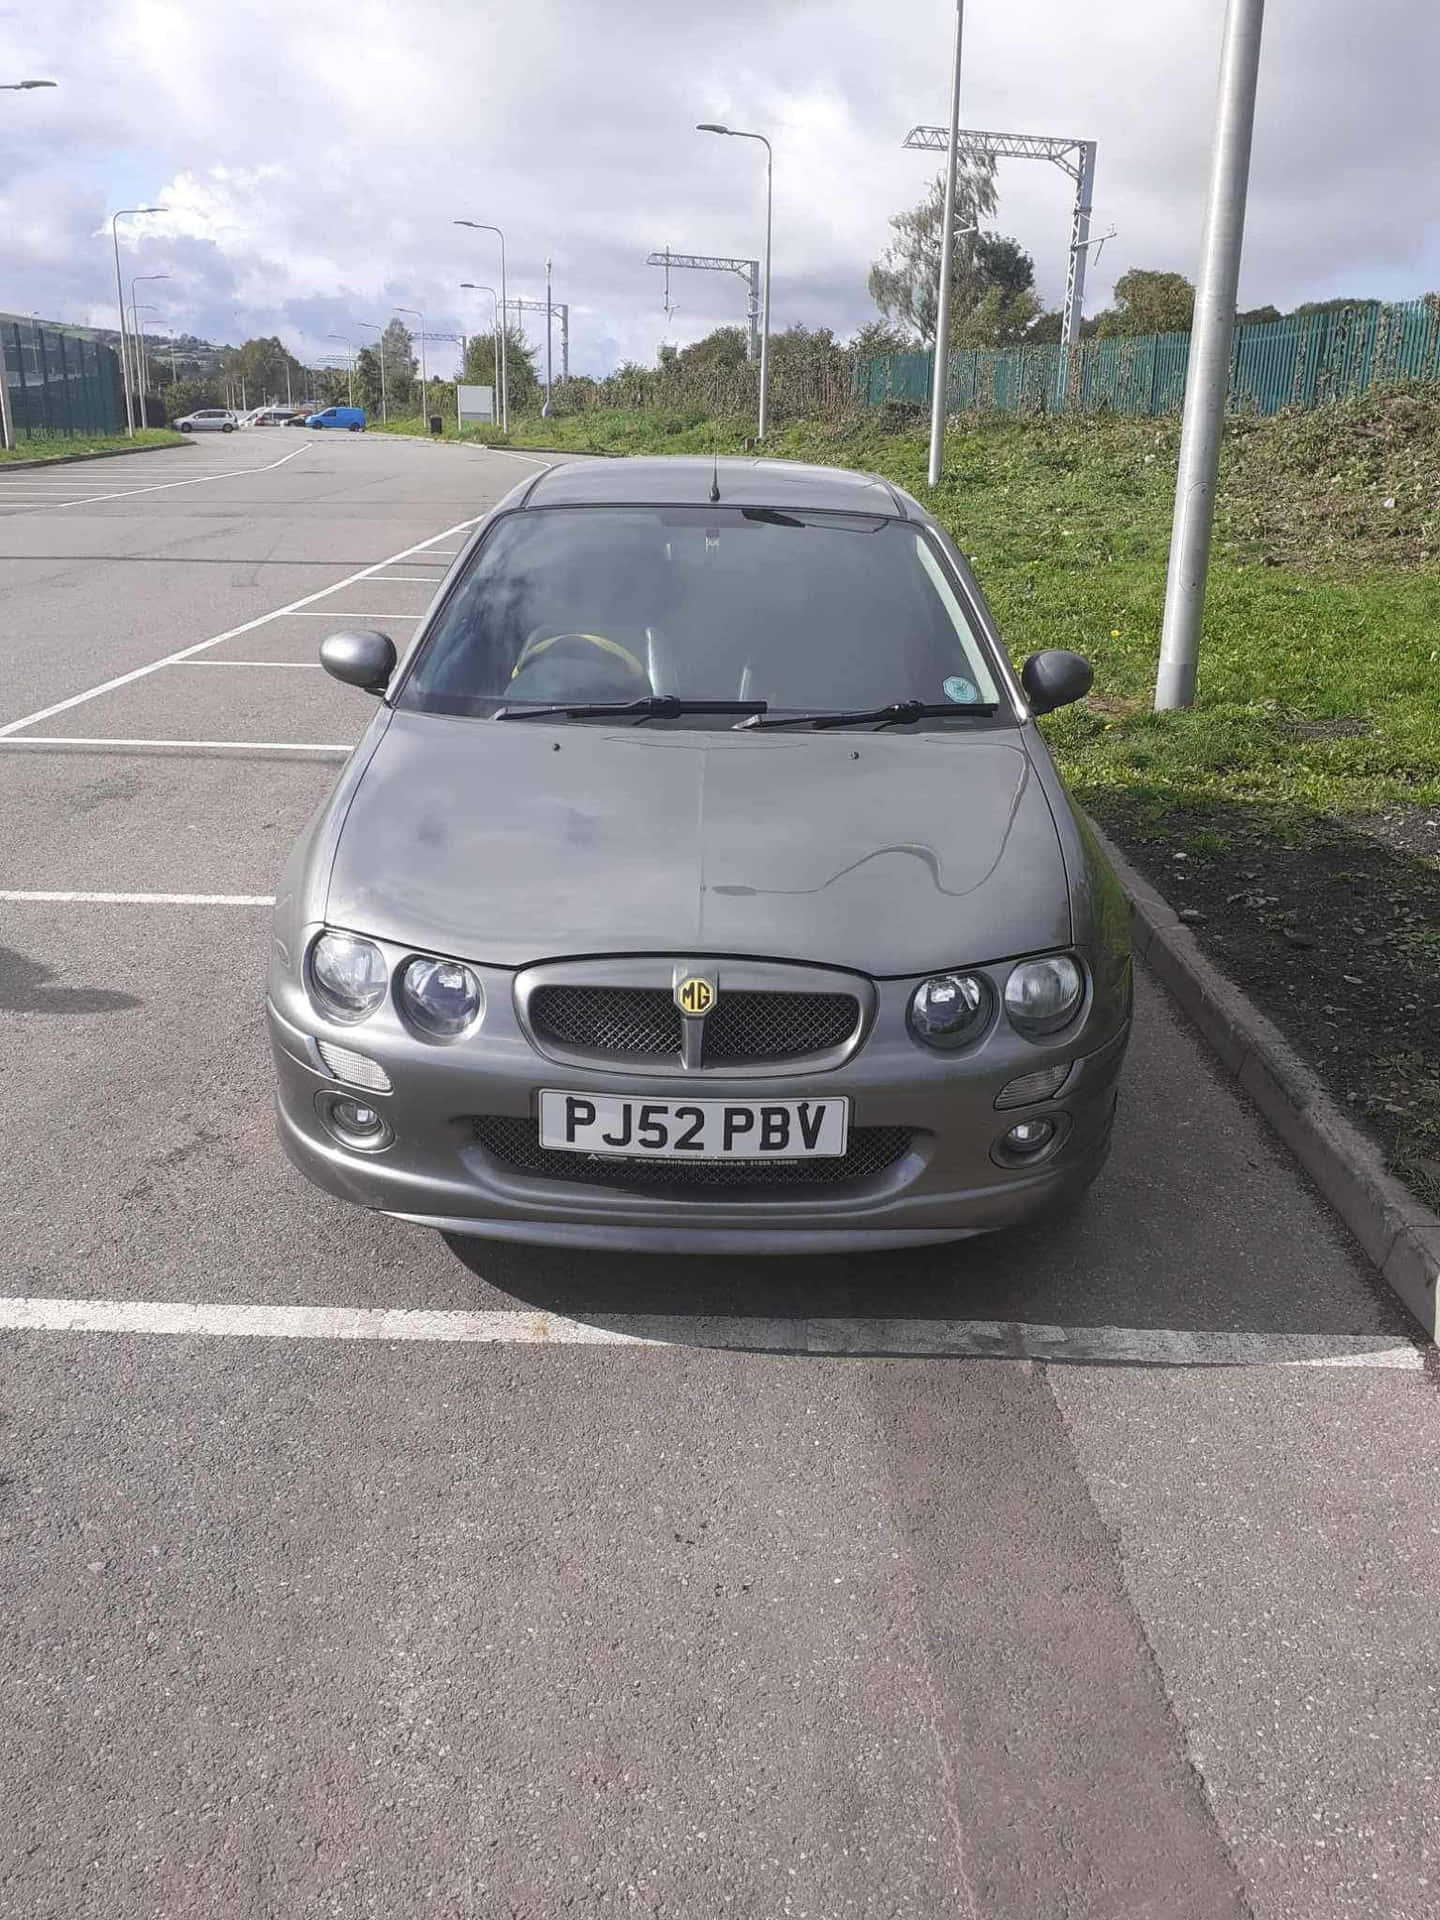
(352, 418)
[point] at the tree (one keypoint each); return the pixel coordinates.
(1004, 264)
(401, 367)
(260, 369)
(998, 319)
(520, 372)
(1258, 316)
(184, 396)
(1149, 302)
(879, 337)
(904, 280)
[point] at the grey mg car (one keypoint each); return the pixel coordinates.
(701, 882)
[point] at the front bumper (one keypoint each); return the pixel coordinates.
(944, 1186)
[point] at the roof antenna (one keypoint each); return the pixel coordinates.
(714, 477)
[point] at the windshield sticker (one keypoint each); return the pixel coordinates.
(962, 692)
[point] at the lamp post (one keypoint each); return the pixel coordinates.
(940, 377)
(738, 133)
(474, 286)
(140, 368)
(145, 306)
(424, 379)
(124, 214)
(350, 369)
(1207, 379)
(372, 326)
(483, 226)
(549, 343)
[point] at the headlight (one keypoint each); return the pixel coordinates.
(440, 996)
(347, 975)
(950, 1009)
(1041, 996)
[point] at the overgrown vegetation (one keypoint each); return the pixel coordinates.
(70, 448)
(1295, 811)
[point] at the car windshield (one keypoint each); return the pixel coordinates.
(807, 612)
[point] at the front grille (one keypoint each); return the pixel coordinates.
(778, 1026)
(516, 1144)
(743, 1025)
(607, 1019)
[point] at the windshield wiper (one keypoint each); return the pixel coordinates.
(654, 706)
(902, 713)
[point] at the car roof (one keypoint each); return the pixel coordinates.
(686, 480)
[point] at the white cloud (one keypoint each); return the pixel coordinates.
(314, 156)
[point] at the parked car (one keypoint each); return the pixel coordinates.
(702, 881)
(208, 420)
(275, 416)
(352, 418)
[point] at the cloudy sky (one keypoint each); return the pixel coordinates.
(313, 154)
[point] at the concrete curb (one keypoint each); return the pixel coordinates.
(103, 453)
(1399, 1235)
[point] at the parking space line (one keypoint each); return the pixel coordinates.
(920, 1339)
(231, 633)
(140, 899)
(165, 486)
(49, 742)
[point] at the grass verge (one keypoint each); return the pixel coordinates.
(85, 447)
(1294, 814)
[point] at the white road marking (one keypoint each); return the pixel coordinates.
(50, 741)
(143, 899)
(165, 486)
(231, 633)
(959, 1339)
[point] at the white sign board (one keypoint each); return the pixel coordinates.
(475, 406)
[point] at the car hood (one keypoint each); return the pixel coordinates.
(514, 842)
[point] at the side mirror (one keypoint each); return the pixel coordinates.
(360, 657)
(1055, 678)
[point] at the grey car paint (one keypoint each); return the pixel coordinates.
(888, 856)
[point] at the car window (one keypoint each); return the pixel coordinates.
(802, 610)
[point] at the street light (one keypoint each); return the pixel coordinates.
(23, 86)
(124, 214)
(475, 286)
(350, 369)
(145, 306)
(424, 379)
(140, 373)
(483, 226)
(371, 326)
(738, 133)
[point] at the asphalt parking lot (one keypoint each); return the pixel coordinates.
(350, 1572)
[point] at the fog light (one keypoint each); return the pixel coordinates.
(1030, 1086)
(1029, 1136)
(357, 1068)
(354, 1123)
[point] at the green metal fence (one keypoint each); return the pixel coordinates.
(60, 382)
(1301, 362)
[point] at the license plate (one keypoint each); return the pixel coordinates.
(606, 1123)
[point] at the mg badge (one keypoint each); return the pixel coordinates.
(694, 996)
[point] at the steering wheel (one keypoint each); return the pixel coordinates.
(616, 657)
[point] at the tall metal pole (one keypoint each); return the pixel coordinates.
(939, 378)
(549, 344)
(1075, 272)
(739, 133)
(1207, 381)
(484, 226)
(115, 218)
(124, 347)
